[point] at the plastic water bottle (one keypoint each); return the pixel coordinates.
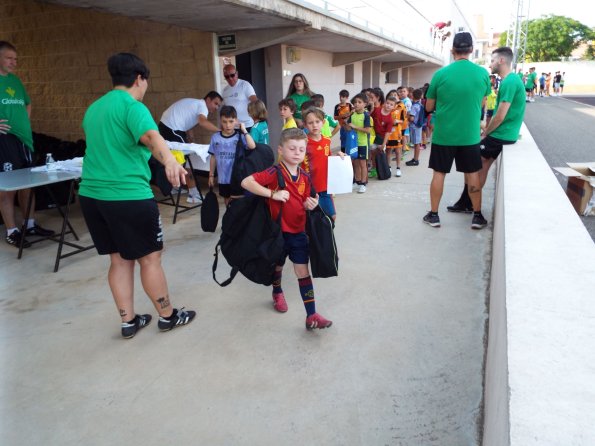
(50, 163)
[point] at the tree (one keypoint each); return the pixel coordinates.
(553, 37)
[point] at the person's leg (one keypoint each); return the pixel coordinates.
(436, 189)
(474, 189)
(121, 281)
(313, 319)
(154, 283)
(416, 150)
(279, 302)
(486, 163)
(7, 209)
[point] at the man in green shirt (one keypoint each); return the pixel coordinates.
(504, 126)
(530, 84)
(16, 144)
(115, 196)
(457, 93)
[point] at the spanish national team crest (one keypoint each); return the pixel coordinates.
(302, 187)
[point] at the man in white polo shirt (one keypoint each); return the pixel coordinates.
(181, 117)
(238, 93)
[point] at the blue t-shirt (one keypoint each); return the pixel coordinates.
(224, 149)
(415, 111)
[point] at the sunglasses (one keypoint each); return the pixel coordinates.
(230, 75)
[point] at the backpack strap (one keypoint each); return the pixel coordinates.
(232, 274)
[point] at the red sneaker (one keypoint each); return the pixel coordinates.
(317, 321)
(279, 302)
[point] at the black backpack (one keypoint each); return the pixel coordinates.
(251, 241)
(209, 212)
(324, 260)
(382, 168)
(248, 161)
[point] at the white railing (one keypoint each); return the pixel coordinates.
(382, 18)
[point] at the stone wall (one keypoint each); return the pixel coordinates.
(63, 52)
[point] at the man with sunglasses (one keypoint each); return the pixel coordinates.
(238, 93)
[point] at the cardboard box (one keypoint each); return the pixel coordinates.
(581, 184)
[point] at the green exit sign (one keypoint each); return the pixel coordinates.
(227, 41)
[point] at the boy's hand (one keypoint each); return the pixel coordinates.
(311, 203)
(211, 181)
(242, 127)
(280, 195)
(341, 154)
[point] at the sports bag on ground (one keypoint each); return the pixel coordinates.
(209, 212)
(382, 168)
(251, 241)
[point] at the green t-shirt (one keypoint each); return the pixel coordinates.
(531, 80)
(13, 107)
(511, 90)
(299, 99)
(361, 120)
(326, 126)
(260, 132)
(458, 89)
(116, 166)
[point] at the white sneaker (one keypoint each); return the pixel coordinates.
(174, 190)
(398, 172)
(195, 199)
(361, 189)
(355, 186)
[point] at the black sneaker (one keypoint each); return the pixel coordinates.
(458, 207)
(129, 329)
(478, 222)
(38, 230)
(14, 239)
(432, 219)
(412, 163)
(178, 317)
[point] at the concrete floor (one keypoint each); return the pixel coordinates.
(402, 364)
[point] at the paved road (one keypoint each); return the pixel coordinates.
(564, 130)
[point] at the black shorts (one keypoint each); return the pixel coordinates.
(13, 153)
(225, 190)
(393, 143)
(490, 113)
(296, 248)
(491, 147)
(529, 90)
(131, 228)
(170, 134)
(467, 157)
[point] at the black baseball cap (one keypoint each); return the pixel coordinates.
(462, 41)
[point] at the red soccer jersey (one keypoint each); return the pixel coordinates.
(316, 162)
(382, 123)
(293, 217)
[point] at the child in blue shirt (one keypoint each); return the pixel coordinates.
(223, 150)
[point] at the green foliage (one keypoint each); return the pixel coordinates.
(553, 37)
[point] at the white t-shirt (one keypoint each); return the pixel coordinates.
(238, 97)
(183, 114)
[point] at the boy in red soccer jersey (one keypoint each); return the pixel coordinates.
(318, 149)
(294, 200)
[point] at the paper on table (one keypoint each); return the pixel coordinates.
(340, 175)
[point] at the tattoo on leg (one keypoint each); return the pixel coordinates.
(122, 312)
(163, 302)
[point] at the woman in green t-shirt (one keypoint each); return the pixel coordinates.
(299, 91)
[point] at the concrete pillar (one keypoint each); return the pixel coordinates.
(366, 74)
(273, 62)
(376, 81)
